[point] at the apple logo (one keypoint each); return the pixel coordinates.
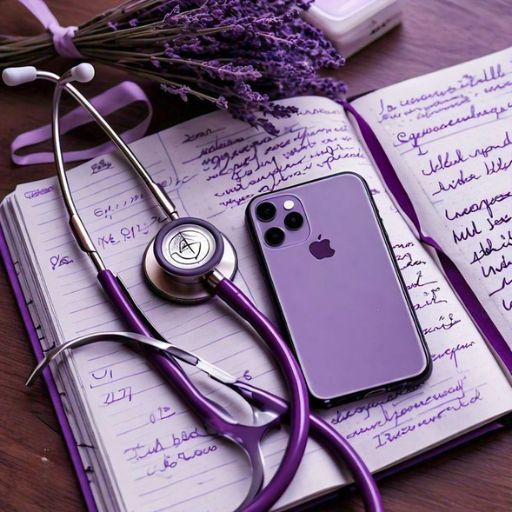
(321, 248)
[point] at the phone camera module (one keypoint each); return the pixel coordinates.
(274, 237)
(294, 221)
(265, 211)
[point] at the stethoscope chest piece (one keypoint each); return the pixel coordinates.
(182, 255)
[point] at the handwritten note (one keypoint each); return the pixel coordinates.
(449, 135)
(150, 453)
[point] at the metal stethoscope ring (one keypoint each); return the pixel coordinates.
(188, 261)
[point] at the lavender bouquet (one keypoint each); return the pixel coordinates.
(238, 54)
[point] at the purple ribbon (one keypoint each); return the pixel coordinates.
(62, 36)
(111, 100)
(457, 280)
(107, 102)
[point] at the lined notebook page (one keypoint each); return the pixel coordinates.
(157, 455)
(449, 136)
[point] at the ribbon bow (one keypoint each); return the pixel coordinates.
(109, 101)
(62, 36)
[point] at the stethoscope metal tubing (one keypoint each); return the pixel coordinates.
(76, 223)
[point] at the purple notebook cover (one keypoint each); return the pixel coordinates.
(72, 444)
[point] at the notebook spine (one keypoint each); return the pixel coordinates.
(56, 398)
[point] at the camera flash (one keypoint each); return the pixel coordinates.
(288, 204)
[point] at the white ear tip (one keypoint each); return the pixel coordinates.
(17, 76)
(83, 72)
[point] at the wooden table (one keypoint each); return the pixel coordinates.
(35, 471)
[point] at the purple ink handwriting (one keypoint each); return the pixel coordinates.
(130, 232)
(102, 165)
(445, 324)
(31, 194)
(119, 395)
(59, 260)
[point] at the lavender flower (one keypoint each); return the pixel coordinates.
(240, 55)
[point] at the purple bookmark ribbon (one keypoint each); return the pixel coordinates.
(457, 280)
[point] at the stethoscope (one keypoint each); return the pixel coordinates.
(190, 261)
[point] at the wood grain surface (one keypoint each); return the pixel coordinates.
(35, 471)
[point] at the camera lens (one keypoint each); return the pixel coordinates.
(265, 211)
(293, 220)
(274, 237)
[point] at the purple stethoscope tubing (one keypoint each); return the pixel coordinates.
(247, 437)
(321, 430)
(299, 414)
(330, 438)
(209, 414)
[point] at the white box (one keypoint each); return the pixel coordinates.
(353, 24)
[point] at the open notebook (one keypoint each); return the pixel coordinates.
(135, 446)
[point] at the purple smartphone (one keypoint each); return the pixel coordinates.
(336, 284)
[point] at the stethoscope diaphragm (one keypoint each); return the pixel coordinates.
(184, 252)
